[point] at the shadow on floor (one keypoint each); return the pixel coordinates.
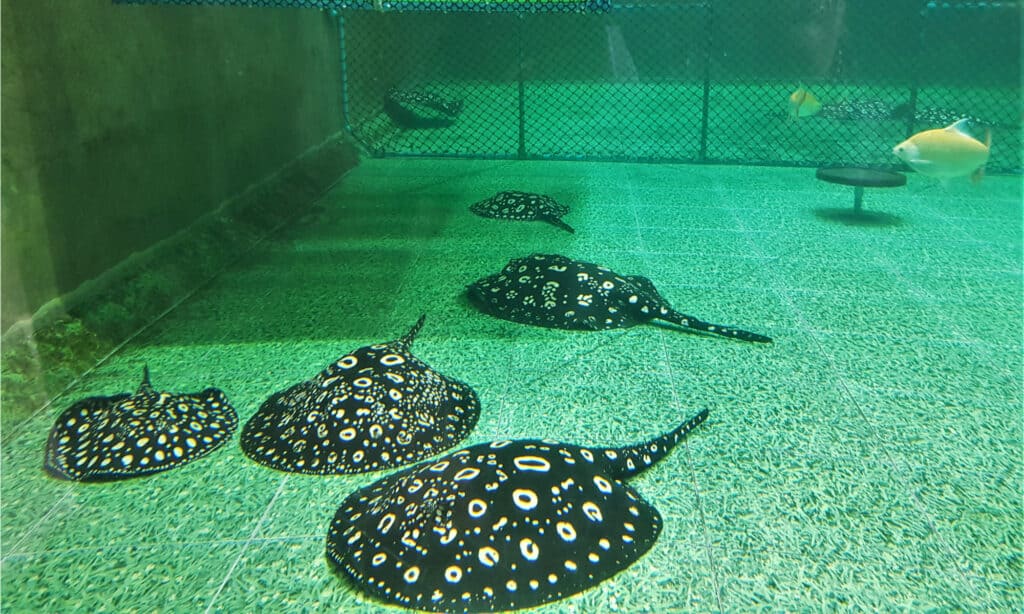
(852, 217)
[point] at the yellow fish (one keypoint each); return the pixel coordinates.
(946, 152)
(802, 103)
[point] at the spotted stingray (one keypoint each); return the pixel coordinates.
(523, 206)
(124, 436)
(501, 525)
(557, 292)
(374, 408)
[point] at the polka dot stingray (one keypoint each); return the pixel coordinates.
(375, 408)
(501, 525)
(523, 206)
(124, 436)
(557, 292)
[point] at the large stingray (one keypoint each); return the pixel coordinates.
(375, 408)
(523, 206)
(500, 525)
(124, 436)
(557, 292)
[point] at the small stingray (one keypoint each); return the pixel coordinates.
(557, 292)
(523, 206)
(124, 436)
(375, 408)
(501, 525)
(421, 109)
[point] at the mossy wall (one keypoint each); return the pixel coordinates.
(146, 148)
(123, 124)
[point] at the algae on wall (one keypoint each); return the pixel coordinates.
(123, 124)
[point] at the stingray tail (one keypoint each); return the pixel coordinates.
(735, 333)
(415, 330)
(628, 461)
(554, 221)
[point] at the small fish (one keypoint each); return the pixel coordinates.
(501, 525)
(374, 408)
(523, 206)
(124, 436)
(802, 103)
(946, 152)
(554, 291)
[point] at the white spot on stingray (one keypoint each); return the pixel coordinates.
(531, 463)
(347, 362)
(378, 559)
(524, 498)
(390, 360)
(412, 574)
(466, 474)
(386, 522)
(511, 586)
(453, 574)
(566, 531)
(602, 484)
(529, 549)
(488, 556)
(592, 511)
(449, 537)
(477, 508)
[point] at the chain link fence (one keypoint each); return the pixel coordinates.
(675, 80)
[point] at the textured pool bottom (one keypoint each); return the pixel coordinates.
(869, 458)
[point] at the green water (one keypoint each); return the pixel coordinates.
(867, 458)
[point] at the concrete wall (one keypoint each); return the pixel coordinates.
(123, 124)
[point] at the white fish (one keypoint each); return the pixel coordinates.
(946, 152)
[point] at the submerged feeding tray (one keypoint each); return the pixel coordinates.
(861, 178)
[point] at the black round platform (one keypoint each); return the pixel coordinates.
(861, 177)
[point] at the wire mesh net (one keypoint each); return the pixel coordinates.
(802, 82)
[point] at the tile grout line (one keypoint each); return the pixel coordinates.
(172, 544)
(716, 583)
(920, 295)
(709, 552)
(896, 468)
(251, 539)
(34, 527)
